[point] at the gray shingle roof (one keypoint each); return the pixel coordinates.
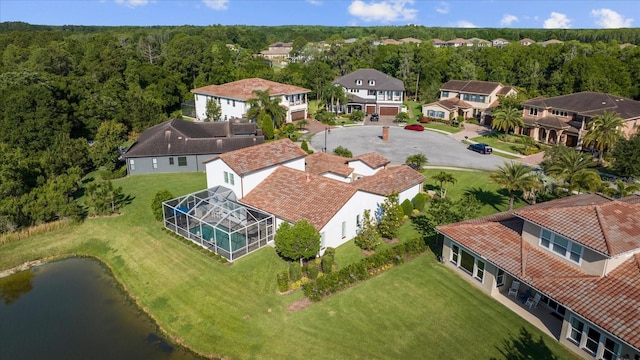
(382, 80)
(590, 103)
(471, 86)
(179, 137)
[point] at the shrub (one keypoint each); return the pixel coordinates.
(330, 252)
(424, 120)
(419, 201)
(312, 270)
(327, 263)
(368, 238)
(283, 281)
(343, 151)
(295, 271)
(156, 203)
(304, 146)
(115, 174)
(407, 207)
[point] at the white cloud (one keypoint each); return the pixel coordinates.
(464, 24)
(610, 19)
(132, 3)
(508, 19)
(443, 8)
(557, 21)
(314, 2)
(383, 11)
(216, 4)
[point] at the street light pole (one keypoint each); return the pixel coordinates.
(326, 132)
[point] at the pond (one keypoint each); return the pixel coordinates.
(74, 309)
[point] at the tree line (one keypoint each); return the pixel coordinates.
(72, 96)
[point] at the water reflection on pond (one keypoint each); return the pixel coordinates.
(73, 309)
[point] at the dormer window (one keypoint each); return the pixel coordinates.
(561, 246)
(372, 82)
(358, 82)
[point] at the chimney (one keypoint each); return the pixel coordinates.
(385, 133)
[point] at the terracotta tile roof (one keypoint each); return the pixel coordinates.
(321, 163)
(471, 86)
(611, 302)
(262, 156)
(632, 199)
(243, 89)
(386, 181)
(294, 195)
(373, 159)
(612, 228)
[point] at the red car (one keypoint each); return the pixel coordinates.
(414, 127)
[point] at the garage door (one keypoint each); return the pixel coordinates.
(371, 109)
(297, 115)
(386, 110)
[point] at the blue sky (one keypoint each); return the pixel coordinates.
(573, 14)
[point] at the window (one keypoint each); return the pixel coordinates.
(466, 261)
(593, 338)
(344, 229)
(132, 164)
(499, 278)
(226, 177)
(561, 246)
(154, 161)
(611, 349)
(171, 161)
(454, 254)
(182, 161)
(575, 333)
(231, 179)
(228, 101)
(372, 82)
(533, 111)
(358, 82)
(445, 94)
(479, 270)
(358, 220)
(234, 103)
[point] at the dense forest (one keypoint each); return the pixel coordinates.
(71, 95)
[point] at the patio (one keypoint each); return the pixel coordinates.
(540, 316)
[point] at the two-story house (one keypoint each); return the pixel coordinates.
(577, 258)
(232, 98)
(277, 51)
(251, 192)
(467, 98)
(372, 91)
(564, 119)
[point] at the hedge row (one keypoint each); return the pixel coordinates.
(195, 246)
(354, 273)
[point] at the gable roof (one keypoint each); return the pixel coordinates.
(611, 228)
(262, 156)
(386, 181)
(294, 195)
(373, 159)
(611, 302)
(321, 163)
(243, 89)
(382, 80)
(471, 86)
(451, 104)
(179, 137)
(589, 103)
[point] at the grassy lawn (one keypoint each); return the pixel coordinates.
(414, 108)
(493, 141)
(492, 197)
(443, 127)
(414, 311)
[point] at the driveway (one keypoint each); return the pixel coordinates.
(440, 149)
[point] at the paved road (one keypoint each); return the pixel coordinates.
(440, 149)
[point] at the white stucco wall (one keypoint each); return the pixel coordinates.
(409, 193)
(226, 105)
(355, 206)
(215, 176)
(360, 168)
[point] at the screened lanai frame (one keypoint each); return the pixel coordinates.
(214, 219)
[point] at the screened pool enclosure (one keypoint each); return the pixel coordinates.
(214, 219)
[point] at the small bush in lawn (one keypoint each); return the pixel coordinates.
(312, 270)
(295, 271)
(419, 201)
(407, 207)
(283, 281)
(330, 252)
(327, 263)
(156, 203)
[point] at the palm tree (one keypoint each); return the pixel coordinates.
(507, 118)
(563, 163)
(514, 176)
(416, 161)
(262, 103)
(585, 179)
(332, 96)
(603, 132)
(621, 190)
(444, 178)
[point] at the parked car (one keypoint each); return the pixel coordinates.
(481, 148)
(374, 117)
(414, 127)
